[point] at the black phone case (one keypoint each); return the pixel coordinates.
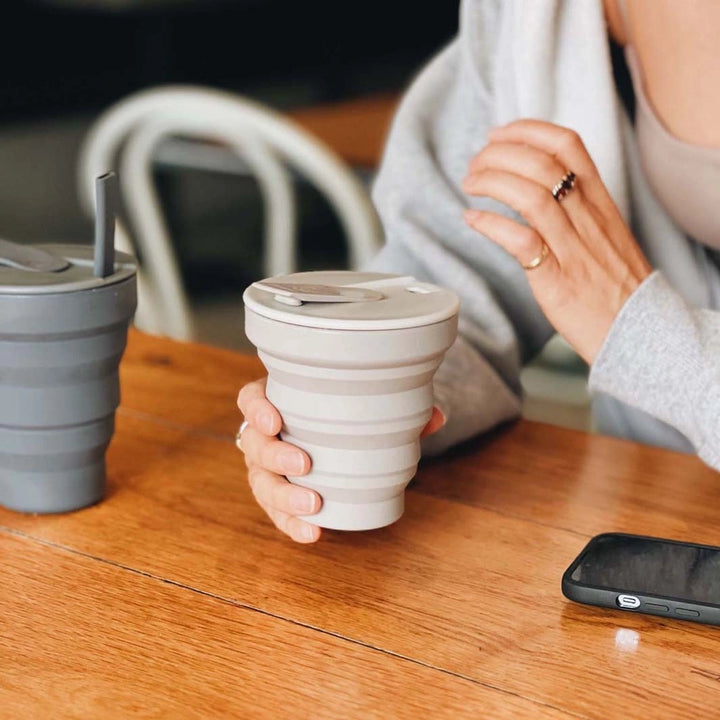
(669, 607)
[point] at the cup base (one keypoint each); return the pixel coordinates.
(53, 492)
(350, 516)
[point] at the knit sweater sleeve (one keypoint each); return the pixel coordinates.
(661, 356)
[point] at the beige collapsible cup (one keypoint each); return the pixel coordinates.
(350, 359)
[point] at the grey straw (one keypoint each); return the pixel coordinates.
(105, 204)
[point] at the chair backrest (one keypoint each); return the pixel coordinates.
(262, 137)
(171, 307)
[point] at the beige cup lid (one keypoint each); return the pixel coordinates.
(347, 300)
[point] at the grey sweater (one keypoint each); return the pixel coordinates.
(656, 378)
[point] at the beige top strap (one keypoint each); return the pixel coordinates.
(622, 6)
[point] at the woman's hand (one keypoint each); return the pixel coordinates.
(269, 459)
(593, 264)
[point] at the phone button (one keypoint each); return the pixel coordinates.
(687, 612)
(629, 602)
(656, 607)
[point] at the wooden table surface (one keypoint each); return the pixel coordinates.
(176, 598)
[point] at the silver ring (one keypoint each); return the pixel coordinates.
(566, 184)
(238, 437)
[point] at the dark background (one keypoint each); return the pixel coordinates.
(67, 56)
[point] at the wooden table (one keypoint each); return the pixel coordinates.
(176, 598)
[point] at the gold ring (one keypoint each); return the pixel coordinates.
(539, 260)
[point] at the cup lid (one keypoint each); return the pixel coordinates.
(347, 300)
(38, 269)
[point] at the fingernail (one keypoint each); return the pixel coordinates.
(307, 532)
(265, 421)
(291, 462)
(472, 216)
(302, 502)
(443, 416)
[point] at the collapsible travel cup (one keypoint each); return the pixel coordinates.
(350, 359)
(64, 314)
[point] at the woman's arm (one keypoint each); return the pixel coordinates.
(662, 356)
(647, 347)
(443, 121)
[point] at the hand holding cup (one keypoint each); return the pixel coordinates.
(269, 460)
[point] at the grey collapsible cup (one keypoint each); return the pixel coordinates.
(63, 331)
(351, 358)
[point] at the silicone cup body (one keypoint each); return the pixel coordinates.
(356, 401)
(59, 389)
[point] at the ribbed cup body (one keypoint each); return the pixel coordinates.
(59, 389)
(356, 402)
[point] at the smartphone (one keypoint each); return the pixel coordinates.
(648, 575)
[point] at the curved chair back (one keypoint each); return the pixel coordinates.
(266, 141)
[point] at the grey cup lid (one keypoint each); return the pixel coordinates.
(347, 300)
(71, 270)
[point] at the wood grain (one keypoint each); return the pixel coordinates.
(467, 582)
(195, 388)
(83, 639)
